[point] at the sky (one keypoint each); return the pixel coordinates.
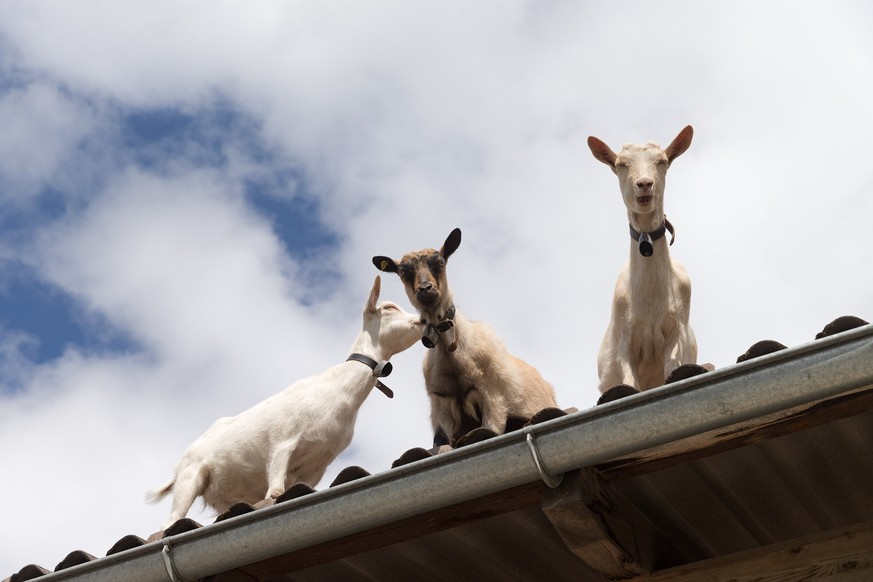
(191, 194)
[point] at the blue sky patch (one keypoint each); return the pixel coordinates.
(52, 318)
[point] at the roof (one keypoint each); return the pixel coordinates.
(761, 468)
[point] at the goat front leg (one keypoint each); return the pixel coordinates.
(444, 420)
(494, 413)
(277, 468)
(682, 351)
(626, 362)
(614, 363)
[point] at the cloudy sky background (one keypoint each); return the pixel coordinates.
(190, 195)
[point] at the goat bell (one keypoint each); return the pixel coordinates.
(430, 336)
(645, 241)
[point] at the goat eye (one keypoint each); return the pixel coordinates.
(389, 307)
(405, 271)
(621, 165)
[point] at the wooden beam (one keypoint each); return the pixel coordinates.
(605, 530)
(840, 555)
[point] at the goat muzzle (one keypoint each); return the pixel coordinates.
(426, 297)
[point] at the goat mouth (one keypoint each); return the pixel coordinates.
(426, 298)
(645, 200)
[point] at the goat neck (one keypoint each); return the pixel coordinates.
(648, 222)
(650, 278)
(365, 345)
(365, 364)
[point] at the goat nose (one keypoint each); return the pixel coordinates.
(645, 183)
(425, 286)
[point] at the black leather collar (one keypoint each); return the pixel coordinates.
(645, 239)
(380, 370)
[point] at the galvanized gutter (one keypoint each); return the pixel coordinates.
(775, 382)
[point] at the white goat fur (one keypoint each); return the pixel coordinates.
(479, 381)
(648, 335)
(294, 435)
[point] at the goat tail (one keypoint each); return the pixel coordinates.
(155, 495)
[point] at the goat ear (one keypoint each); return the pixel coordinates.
(453, 241)
(385, 264)
(681, 143)
(602, 151)
(373, 300)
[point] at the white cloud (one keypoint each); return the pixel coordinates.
(170, 257)
(42, 129)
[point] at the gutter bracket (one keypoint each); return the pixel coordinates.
(168, 563)
(548, 478)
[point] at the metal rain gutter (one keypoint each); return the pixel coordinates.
(778, 381)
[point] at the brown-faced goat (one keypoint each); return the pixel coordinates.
(470, 377)
(648, 335)
(294, 435)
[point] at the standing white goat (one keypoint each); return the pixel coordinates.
(294, 435)
(648, 335)
(470, 376)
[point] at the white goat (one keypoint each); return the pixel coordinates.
(648, 335)
(469, 375)
(294, 435)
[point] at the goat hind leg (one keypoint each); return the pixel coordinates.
(190, 484)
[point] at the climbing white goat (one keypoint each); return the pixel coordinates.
(292, 436)
(648, 335)
(471, 378)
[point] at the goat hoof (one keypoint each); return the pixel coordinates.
(616, 393)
